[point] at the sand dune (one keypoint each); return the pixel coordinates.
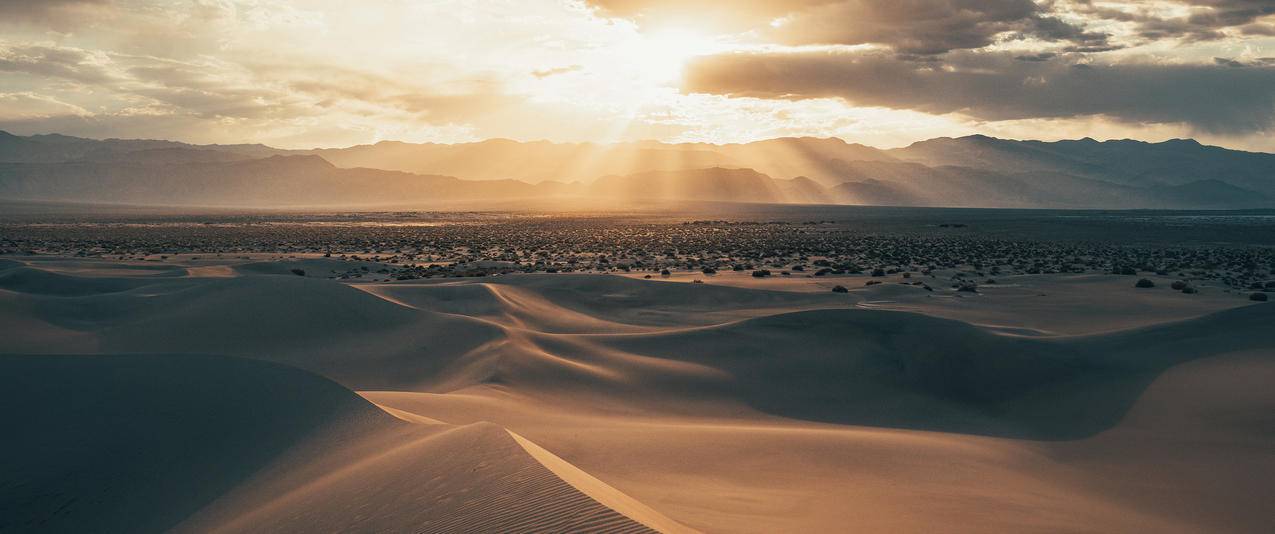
(471, 478)
(593, 402)
(147, 441)
(138, 442)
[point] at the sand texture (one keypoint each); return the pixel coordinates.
(236, 396)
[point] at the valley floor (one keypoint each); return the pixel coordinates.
(234, 395)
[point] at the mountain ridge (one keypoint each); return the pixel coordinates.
(970, 171)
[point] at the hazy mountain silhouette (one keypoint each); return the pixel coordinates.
(54, 148)
(974, 171)
(542, 160)
(1170, 163)
(271, 181)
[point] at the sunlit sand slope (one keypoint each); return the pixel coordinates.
(595, 402)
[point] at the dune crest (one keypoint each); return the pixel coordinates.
(748, 407)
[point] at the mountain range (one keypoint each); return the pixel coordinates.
(973, 171)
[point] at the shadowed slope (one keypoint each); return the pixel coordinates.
(136, 443)
(897, 369)
(140, 443)
(41, 282)
(640, 345)
(319, 325)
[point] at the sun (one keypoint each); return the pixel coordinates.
(660, 56)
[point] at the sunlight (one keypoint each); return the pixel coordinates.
(661, 56)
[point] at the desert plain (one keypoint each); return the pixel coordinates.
(806, 370)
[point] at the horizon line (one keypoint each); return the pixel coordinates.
(641, 141)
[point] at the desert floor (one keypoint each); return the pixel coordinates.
(234, 395)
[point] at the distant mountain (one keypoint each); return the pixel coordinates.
(160, 156)
(55, 148)
(271, 181)
(531, 162)
(802, 190)
(910, 184)
(584, 162)
(1137, 163)
(974, 171)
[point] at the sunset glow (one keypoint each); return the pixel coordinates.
(306, 73)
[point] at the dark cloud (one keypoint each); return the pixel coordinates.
(1210, 97)
(59, 15)
(1206, 20)
(928, 27)
(1043, 56)
(1228, 13)
(910, 27)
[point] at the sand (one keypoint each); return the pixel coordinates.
(588, 402)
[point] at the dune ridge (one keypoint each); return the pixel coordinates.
(595, 402)
(205, 443)
(647, 345)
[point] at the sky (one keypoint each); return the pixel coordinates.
(327, 73)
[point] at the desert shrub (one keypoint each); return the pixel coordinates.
(761, 273)
(842, 289)
(1258, 297)
(298, 272)
(1190, 290)
(878, 272)
(1143, 282)
(1178, 285)
(708, 270)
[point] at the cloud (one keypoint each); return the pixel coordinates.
(992, 86)
(545, 73)
(1195, 20)
(325, 71)
(26, 106)
(59, 15)
(59, 62)
(709, 15)
(929, 27)
(910, 27)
